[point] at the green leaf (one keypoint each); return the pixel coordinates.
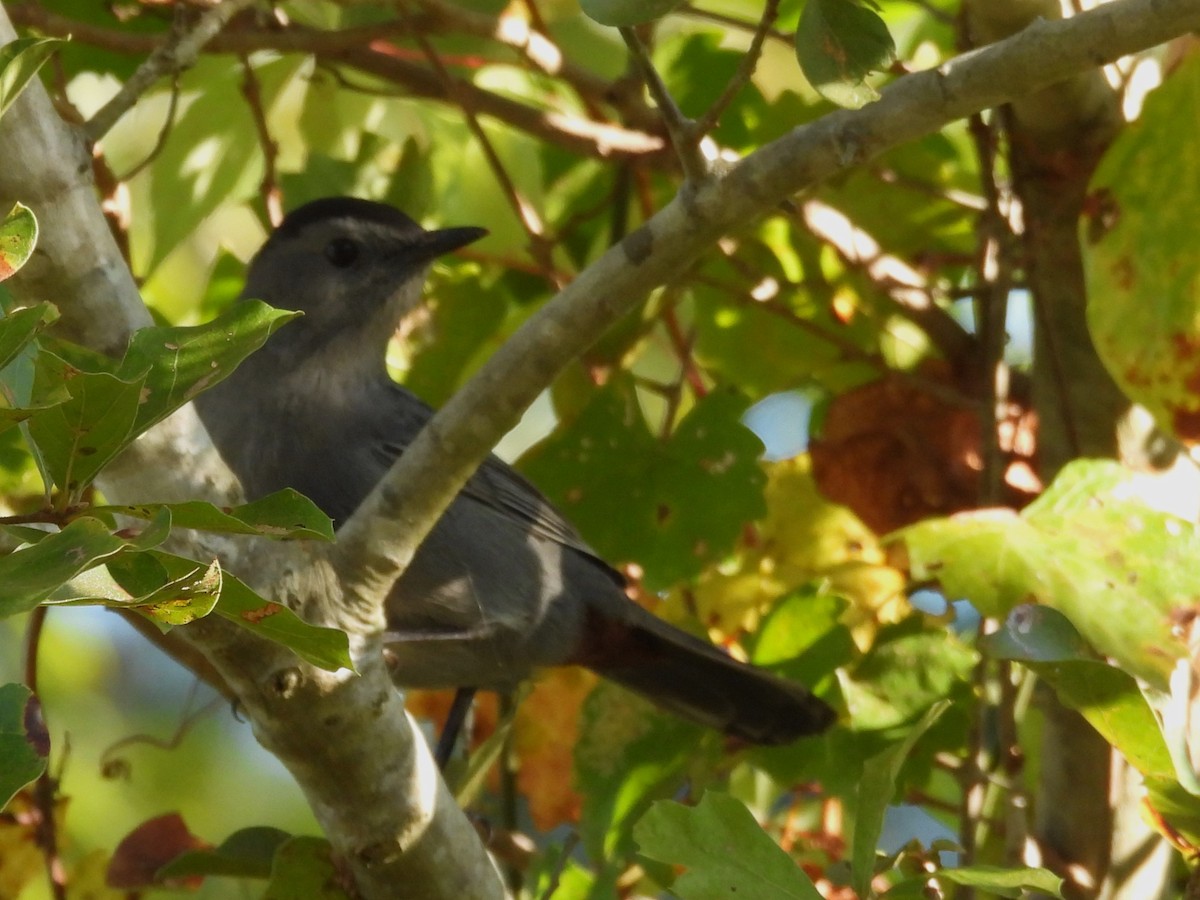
(1119, 570)
(671, 505)
(328, 648)
(107, 405)
(176, 363)
(30, 575)
(24, 741)
(909, 668)
(1002, 882)
(1044, 640)
(627, 12)
(875, 792)
(78, 437)
(18, 235)
(166, 601)
(19, 62)
(628, 755)
(1138, 239)
(725, 850)
(303, 869)
(19, 327)
(177, 601)
(18, 349)
(283, 515)
(215, 119)
(838, 43)
(247, 853)
(803, 637)
(1110, 699)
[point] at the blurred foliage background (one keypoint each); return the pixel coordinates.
(882, 353)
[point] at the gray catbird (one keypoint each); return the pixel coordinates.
(502, 584)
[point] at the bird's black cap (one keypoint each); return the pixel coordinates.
(344, 207)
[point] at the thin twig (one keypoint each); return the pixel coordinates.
(531, 40)
(352, 47)
(993, 274)
(189, 718)
(683, 345)
(541, 248)
(684, 135)
(163, 134)
(535, 16)
(972, 779)
(180, 52)
(46, 787)
(568, 848)
(269, 187)
(717, 18)
(744, 73)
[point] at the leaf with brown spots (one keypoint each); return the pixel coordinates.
(1139, 238)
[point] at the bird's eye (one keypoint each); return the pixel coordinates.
(342, 252)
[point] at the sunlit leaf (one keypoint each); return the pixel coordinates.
(995, 881)
(30, 575)
(19, 62)
(18, 234)
(176, 363)
(176, 601)
(1143, 276)
(1110, 699)
(1114, 566)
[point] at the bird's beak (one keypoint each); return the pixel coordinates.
(433, 244)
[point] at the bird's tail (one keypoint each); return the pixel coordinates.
(695, 680)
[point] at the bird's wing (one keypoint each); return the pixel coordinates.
(495, 484)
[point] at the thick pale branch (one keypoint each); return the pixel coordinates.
(345, 737)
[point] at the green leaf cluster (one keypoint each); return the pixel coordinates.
(78, 411)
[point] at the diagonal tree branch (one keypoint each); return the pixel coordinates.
(379, 540)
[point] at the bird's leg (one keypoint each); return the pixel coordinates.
(459, 709)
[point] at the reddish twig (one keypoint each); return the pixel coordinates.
(269, 187)
(163, 133)
(744, 73)
(46, 789)
(541, 247)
